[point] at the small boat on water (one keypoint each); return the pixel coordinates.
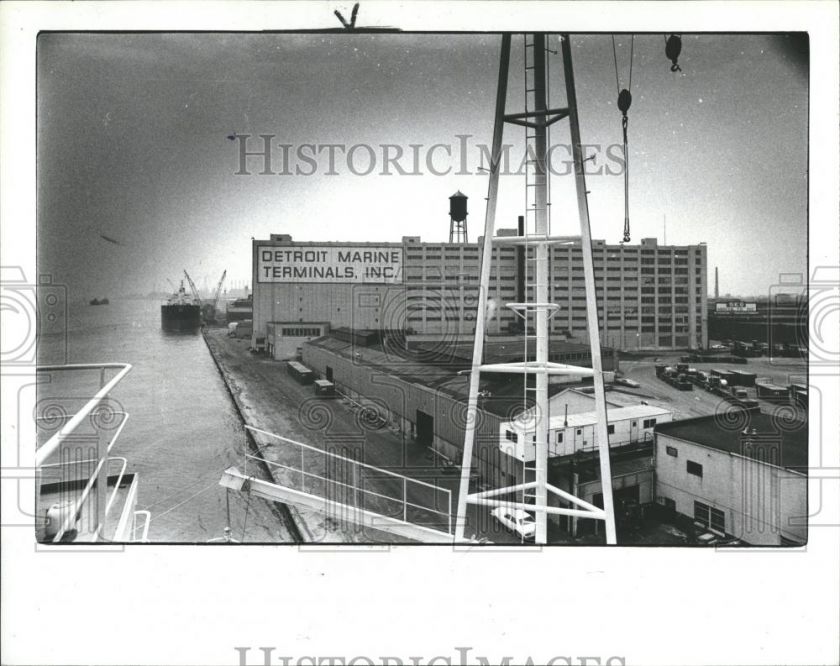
(99, 301)
(181, 312)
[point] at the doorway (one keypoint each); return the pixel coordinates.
(425, 428)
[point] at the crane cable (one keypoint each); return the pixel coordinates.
(624, 101)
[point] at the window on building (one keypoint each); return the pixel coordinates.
(709, 517)
(668, 503)
(610, 429)
(671, 451)
(694, 468)
(579, 431)
(648, 423)
(560, 437)
(511, 436)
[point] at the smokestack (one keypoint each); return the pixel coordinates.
(717, 289)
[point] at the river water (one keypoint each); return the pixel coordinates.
(183, 430)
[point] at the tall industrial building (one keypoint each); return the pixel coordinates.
(656, 296)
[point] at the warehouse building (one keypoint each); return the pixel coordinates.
(655, 296)
(781, 321)
(420, 389)
(748, 481)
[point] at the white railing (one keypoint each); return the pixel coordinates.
(99, 476)
(356, 489)
(52, 444)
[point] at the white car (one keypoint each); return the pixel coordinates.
(518, 520)
(624, 381)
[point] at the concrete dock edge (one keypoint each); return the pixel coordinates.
(289, 514)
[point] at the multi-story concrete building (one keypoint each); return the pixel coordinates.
(650, 297)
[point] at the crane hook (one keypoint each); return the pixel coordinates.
(625, 99)
(673, 46)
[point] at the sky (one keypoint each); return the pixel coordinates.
(139, 140)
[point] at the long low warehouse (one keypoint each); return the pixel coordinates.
(422, 390)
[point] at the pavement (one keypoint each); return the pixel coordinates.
(272, 400)
(697, 402)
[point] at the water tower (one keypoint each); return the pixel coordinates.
(458, 218)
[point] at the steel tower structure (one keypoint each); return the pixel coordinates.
(536, 310)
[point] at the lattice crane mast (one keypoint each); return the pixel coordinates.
(193, 288)
(219, 290)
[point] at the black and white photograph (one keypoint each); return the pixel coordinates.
(443, 295)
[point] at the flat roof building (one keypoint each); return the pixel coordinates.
(422, 391)
(572, 433)
(650, 296)
(746, 478)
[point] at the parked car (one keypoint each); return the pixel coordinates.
(623, 381)
(518, 520)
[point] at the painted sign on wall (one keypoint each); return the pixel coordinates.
(735, 307)
(363, 264)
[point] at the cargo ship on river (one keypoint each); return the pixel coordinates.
(181, 312)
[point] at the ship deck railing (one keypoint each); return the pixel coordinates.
(348, 490)
(79, 483)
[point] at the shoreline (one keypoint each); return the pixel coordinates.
(289, 515)
(268, 399)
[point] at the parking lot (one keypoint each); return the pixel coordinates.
(697, 402)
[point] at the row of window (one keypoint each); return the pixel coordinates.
(647, 423)
(301, 332)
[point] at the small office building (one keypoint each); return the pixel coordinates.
(746, 479)
(570, 433)
(284, 340)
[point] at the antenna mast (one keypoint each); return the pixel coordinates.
(537, 241)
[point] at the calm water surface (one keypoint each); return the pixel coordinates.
(183, 430)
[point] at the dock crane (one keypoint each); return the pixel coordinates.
(192, 286)
(219, 289)
(210, 309)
